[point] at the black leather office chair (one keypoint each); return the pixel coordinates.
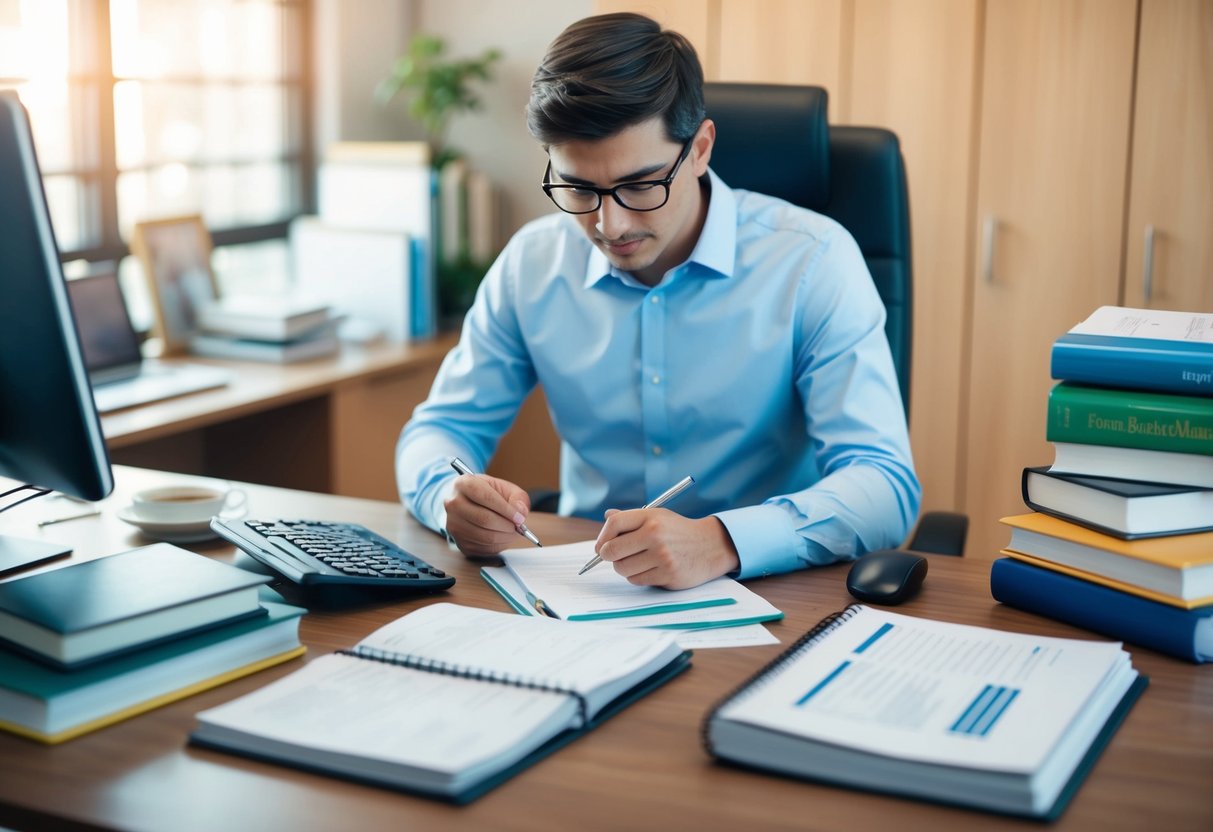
(776, 139)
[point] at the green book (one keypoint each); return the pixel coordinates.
(1130, 419)
(51, 706)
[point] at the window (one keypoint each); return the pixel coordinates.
(154, 108)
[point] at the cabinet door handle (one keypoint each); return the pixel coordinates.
(988, 234)
(1147, 265)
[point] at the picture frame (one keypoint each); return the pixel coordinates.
(175, 253)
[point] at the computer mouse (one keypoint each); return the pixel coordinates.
(887, 576)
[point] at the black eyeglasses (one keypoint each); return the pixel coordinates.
(645, 195)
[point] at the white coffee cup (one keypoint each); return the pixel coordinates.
(186, 503)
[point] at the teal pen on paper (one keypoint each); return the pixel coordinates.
(461, 466)
(663, 498)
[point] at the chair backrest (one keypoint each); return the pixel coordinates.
(775, 139)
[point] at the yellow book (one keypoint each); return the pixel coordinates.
(1177, 566)
(1103, 580)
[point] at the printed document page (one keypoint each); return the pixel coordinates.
(943, 693)
(1147, 323)
(359, 708)
(550, 574)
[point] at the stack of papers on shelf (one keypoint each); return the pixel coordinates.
(279, 329)
(546, 580)
(447, 701)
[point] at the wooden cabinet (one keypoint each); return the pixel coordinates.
(1042, 138)
(1169, 233)
(1057, 80)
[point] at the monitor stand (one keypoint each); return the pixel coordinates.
(16, 553)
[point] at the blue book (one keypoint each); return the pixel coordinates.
(1187, 634)
(1141, 349)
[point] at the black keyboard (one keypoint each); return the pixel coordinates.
(314, 552)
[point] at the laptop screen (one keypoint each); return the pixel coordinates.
(107, 338)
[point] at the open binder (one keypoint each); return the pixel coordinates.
(1003, 722)
(447, 701)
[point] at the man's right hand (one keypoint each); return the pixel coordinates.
(483, 514)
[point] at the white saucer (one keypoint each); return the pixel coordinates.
(192, 532)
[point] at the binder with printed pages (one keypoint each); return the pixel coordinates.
(448, 701)
(1002, 722)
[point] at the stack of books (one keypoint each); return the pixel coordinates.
(93, 643)
(1120, 540)
(279, 329)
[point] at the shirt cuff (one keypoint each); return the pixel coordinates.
(766, 542)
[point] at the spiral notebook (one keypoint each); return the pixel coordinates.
(870, 699)
(448, 701)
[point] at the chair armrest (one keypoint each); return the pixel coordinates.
(940, 533)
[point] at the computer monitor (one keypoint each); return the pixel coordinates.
(50, 434)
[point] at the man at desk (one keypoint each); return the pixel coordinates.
(677, 327)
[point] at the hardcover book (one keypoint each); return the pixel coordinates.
(448, 701)
(134, 599)
(1146, 349)
(50, 706)
(1186, 634)
(1130, 419)
(1180, 566)
(1122, 508)
(999, 721)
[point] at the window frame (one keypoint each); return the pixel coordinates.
(90, 30)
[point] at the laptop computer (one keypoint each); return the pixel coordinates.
(121, 376)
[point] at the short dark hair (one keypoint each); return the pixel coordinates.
(606, 73)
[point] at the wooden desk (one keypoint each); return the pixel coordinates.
(645, 769)
(328, 425)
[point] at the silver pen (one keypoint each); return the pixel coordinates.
(461, 466)
(665, 496)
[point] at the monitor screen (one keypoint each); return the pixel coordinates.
(50, 435)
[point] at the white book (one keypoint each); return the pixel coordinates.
(1133, 464)
(448, 700)
(1006, 722)
(317, 344)
(267, 318)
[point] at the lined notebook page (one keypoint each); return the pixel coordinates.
(541, 649)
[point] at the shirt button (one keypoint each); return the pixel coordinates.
(656, 379)
(654, 298)
(656, 450)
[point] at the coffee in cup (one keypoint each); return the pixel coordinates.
(185, 503)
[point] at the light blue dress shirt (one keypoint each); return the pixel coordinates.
(759, 366)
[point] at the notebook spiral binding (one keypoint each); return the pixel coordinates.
(465, 672)
(819, 631)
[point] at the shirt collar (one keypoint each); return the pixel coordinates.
(715, 250)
